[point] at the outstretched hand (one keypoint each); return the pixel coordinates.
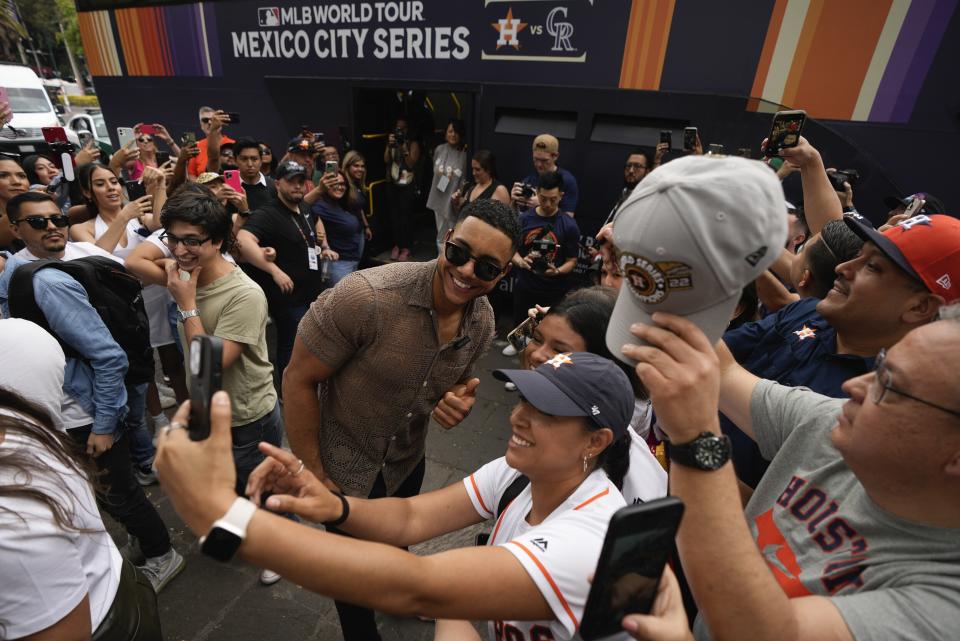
(294, 488)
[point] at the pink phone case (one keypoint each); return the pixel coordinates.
(232, 178)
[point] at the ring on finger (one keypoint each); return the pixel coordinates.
(299, 469)
(177, 425)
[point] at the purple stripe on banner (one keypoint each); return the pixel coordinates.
(213, 38)
(917, 74)
(899, 64)
(182, 27)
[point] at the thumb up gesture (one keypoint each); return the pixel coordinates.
(456, 404)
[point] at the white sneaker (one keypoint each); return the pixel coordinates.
(510, 387)
(268, 577)
(509, 350)
(145, 475)
(160, 570)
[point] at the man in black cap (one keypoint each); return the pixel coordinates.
(293, 280)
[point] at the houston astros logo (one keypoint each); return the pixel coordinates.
(509, 29)
(560, 359)
(653, 282)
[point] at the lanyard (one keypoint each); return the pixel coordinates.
(296, 223)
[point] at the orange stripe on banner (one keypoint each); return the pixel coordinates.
(99, 25)
(141, 42)
(593, 498)
(153, 50)
(123, 31)
(647, 35)
(90, 45)
(162, 29)
(814, 13)
(658, 43)
(839, 57)
(630, 48)
(769, 44)
(553, 584)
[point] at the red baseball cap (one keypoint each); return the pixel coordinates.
(927, 248)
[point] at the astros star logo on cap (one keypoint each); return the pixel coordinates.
(560, 359)
(805, 333)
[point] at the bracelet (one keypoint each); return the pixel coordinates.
(343, 516)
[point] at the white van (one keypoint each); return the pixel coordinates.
(32, 110)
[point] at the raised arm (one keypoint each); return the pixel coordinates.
(142, 263)
(820, 202)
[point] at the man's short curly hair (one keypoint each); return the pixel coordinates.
(495, 214)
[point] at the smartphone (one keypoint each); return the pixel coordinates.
(234, 117)
(639, 540)
(54, 134)
(206, 374)
(715, 148)
(148, 130)
(232, 178)
(785, 131)
(331, 167)
(520, 335)
(135, 189)
(125, 135)
(667, 137)
(163, 157)
(188, 138)
(915, 207)
(689, 138)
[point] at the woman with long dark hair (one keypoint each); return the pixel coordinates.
(484, 185)
(62, 573)
(342, 224)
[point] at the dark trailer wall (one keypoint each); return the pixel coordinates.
(604, 75)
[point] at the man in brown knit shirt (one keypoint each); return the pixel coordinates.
(387, 347)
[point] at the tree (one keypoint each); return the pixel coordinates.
(71, 28)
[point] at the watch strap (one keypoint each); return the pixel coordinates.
(686, 454)
(235, 523)
(187, 313)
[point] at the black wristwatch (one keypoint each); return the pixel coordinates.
(707, 452)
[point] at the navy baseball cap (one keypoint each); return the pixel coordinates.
(300, 144)
(289, 169)
(577, 384)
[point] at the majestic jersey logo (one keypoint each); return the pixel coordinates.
(652, 282)
(805, 333)
(541, 544)
(509, 29)
(560, 359)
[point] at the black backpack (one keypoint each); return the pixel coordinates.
(513, 491)
(115, 295)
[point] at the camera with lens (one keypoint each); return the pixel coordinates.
(544, 247)
(841, 176)
(526, 191)
(399, 137)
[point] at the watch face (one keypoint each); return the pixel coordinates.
(711, 453)
(220, 544)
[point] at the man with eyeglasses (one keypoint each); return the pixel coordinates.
(635, 170)
(854, 531)
(897, 282)
(388, 347)
(547, 256)
(94, 399)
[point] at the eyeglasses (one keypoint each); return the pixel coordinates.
(40, 222)
(484, 269)
(172, 241)
(634, 165)
(205, 121)
(144, 139)
(884, 384)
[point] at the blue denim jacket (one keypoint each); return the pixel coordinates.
(97, 382)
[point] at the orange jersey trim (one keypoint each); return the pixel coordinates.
(593, 498)
(493, 537)
(476, 490)
(553, 584)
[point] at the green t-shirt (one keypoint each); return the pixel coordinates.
(234, 308)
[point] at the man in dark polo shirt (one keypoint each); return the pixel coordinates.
(388, 346)
(258, 188)
(898, 282)
(293, 280)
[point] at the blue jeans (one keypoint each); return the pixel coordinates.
(246, 455)
(340, 268)
(142, 450)
(286, 320)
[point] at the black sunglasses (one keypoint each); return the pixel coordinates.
(483, 269)
(205, 121)
(40, 222)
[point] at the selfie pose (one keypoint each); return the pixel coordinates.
(530, 580)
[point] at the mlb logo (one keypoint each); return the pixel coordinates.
(269, 16)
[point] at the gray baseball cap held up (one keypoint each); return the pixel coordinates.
(692, 235)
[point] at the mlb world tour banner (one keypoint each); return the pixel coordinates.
(784, 51)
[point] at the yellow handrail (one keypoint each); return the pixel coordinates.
(370, 194)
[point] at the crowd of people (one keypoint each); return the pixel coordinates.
(787, 370)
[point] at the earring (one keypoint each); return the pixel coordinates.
(585, 459)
